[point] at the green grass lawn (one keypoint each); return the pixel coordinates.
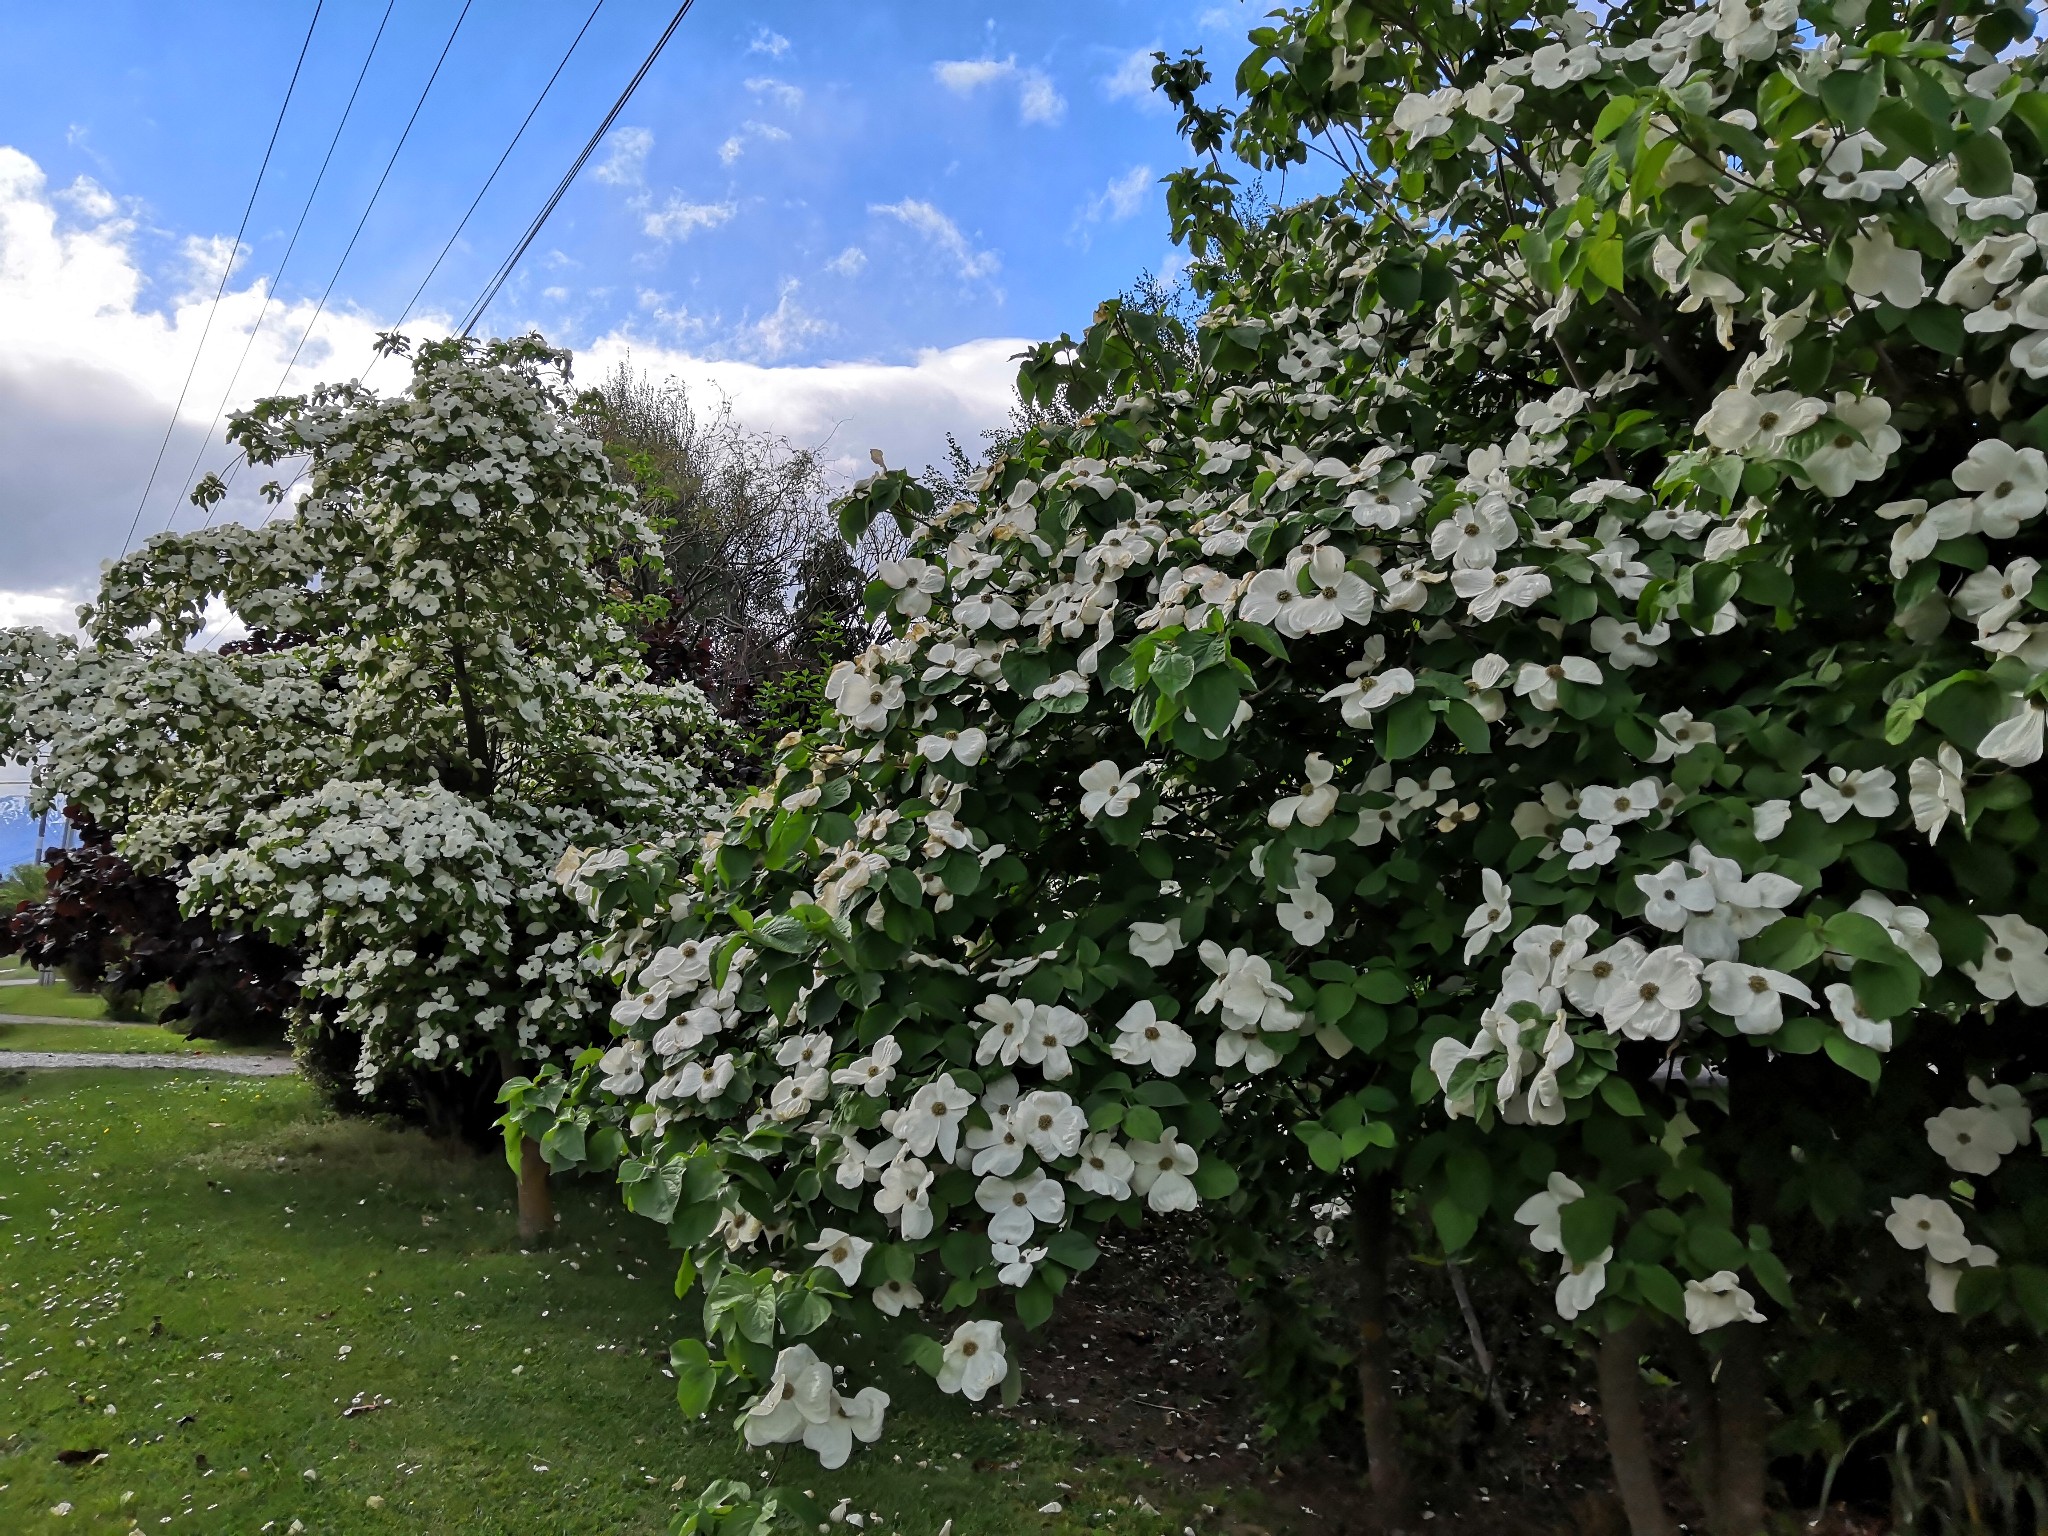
(54, 1002)
(200, 1275)
(120, 1038)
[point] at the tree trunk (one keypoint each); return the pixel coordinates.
(1703, 1411)
(1628, 1443)
(1392, 1499)
(1481, 1355)
(536, 1201)
(1744, 1414)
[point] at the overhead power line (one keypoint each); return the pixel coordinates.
(290, 246)
(483, 302)
(376, 192)
(488, 180)
(227, 269)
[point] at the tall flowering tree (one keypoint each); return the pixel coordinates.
(445, 706)
(1537, 729)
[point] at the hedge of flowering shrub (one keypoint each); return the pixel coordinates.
(1539, 730)
(442, 707)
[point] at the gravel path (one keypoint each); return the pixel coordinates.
(237, 1066)
(52, 1018)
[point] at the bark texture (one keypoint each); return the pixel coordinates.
(1628, 1442)
(536, 1200)
(1392, 1494)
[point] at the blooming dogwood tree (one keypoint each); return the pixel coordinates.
(446, 708)
(1540, 722)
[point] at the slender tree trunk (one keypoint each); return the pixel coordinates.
(1481, 1355)
(1392, 1497)
(1744, 1418)
(536, 1200)
(1628, 1443)
(1703, 1411)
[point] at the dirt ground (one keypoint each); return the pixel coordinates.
(1143, 1360)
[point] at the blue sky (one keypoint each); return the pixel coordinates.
(846, 217)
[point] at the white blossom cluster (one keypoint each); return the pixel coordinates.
(1568, 570)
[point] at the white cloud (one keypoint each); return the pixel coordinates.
(1124, 196)
(1038, 100)
(92, 356)
(964, 76)
(848, 262)
(788, 96)
(846, 408)
(680, 219)
(943, 235)
(1131, 80)
(774, 44)
(624, 165)
(784, 329)
(767, 133)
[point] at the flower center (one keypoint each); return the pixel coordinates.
(1648, 991)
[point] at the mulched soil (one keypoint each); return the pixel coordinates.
(1142, 1360)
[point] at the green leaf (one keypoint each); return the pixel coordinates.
(787, 835)
(1984, 165)
(1160, 1094)
(1660, 1288)
(1383, 987)
(1034, 1303)
(1713, 1247)
(2030, 1290)
(924, 1352)
(805, 1312)
(1467, 726)
(1212, 698)
(1215, 1179)
(1851, 96)
(1851, 933)
(755, 1314)
(1620, 1097)
(696, 1377)
(1771, 1274)
(1979, 1290)
(562, 1146)
(1074, 1249)
(964, 1252)
(1880, 864)
(1142, 1123)
(1587, 1226)
(1768, 586)
(1172, 671)
(1407, 728)
(1904, 131)
(1851, 1057)
(1937, 327)
(1470, 1177)
(1617, 111)
(1325, 1150)
(1603, 259)
(1886, 991)
(1454, 1224)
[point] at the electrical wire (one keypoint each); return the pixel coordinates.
(483, 302)
(233, 251)
(290, 246)
(228, 477)
(321, 307)
(488, 180)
